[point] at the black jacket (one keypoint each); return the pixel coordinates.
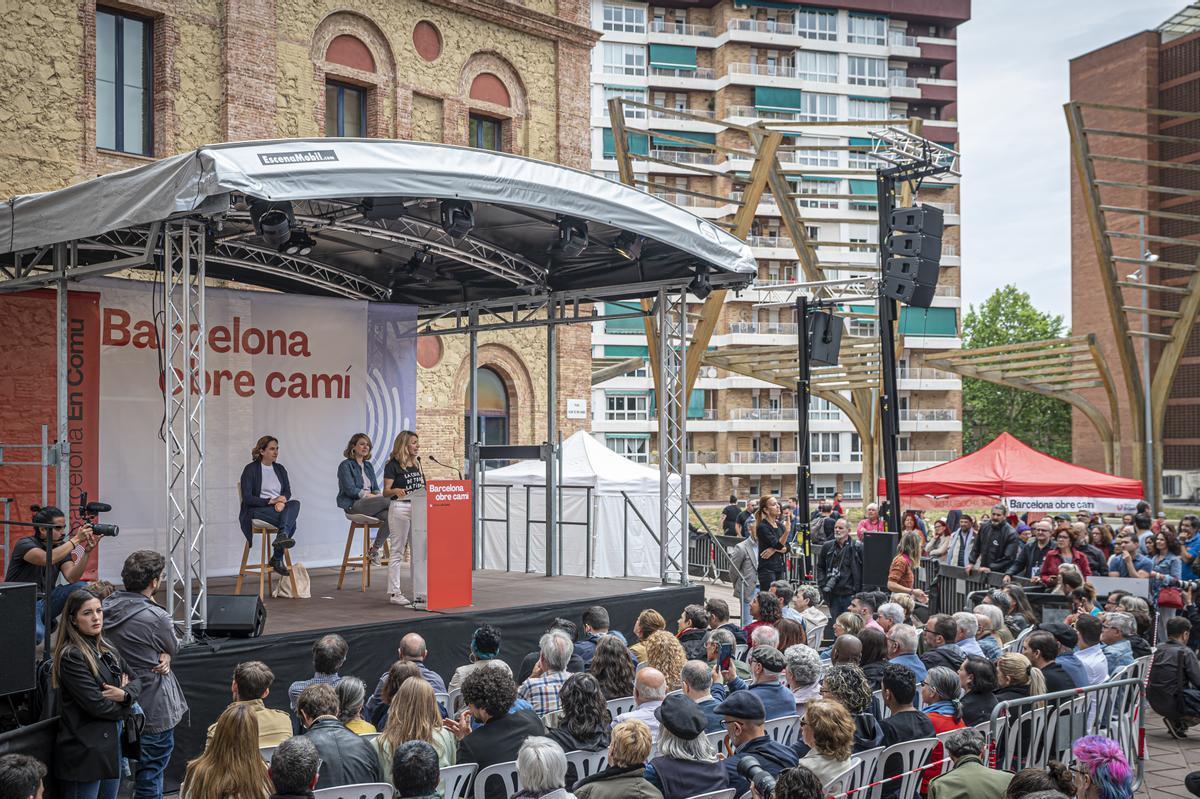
(692, 642)
(346, 757)
(1095, 558)
(1139, 646)
(770, 537)
(847, 561)
(948, 655)
(569, 743)
(773, 757)
(574, 665)
(1057, 679)
(1028, 556)
(251, 487)
(1173, 669)
(498, 741)
(977, 708)
(739, 634)
(874, 673)
(88, 747)
(995, 547)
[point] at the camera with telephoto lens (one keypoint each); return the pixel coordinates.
(757, 776)
(90, 512)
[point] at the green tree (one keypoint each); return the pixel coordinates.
(1008, 316)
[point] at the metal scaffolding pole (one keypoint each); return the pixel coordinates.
(473, 466)
(183, 395)
(552, 568)
(672, 437)
(62, 447)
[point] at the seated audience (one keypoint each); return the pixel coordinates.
(488, 694)
(744, 717)
(294, 769)
(21, 777)
(939, 701)
(873, 655)
(549, 673)
(1173, 688)
(718, 619)
(575, 665)
(1020, 613)
(415, 771)
(847, 685)
(416, 718)
(712, 650)
(969, 778)
(400, 672)
(798, 783)
(583, 726)
(1089, 652)
(1042, 650)
(829, 733)
(351, 694)
(413, 650)
(687, 764)
(987, 619)
(346, 757)
(889, 615)
(1101, 769)
(1017, 678)
(905, 723)
(649, 690)
(802, 672)
(864, 605)
(846, 650)
(665, 653)
(541, 770)
(1115, 631)
(698, 686)
(624, 776)
(807, 600)
(485, 648)
(846, 624)
(595, 626)
(906, 603)
(940, 647)
(764, 609)
(977, 676)
(766, 664)
(766, 635)
(230, 767)
(1067, 640)
(789, 633)
(783, 590)
(966, 626)
(613, 668)
(902, 649)
(693, 629)
(251, 685)
(648, 623)
(328, 654)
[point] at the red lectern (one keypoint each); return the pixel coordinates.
(441, 549)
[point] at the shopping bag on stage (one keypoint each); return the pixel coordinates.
(303, 586)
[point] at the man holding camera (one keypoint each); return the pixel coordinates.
(68, 557)
(744, 717)
(839, 569)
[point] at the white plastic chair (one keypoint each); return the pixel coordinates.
(456, 780)
(782, 730)
(946, 764)
(740, 650)
(454, 697)
(266, 753)
(366, 790)
(865, 767)
(443, 699)
(842, 781)
(724, 793)
(717, 739)
(621, 705)
(587, 763)
(913, 754)
(507, 772)
(814, 638)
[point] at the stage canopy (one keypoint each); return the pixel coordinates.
(1026, 480)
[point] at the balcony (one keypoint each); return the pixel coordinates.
(928, 415)
(762, 26)
(783, 456)
(924, 373)
(623, 69)
(763, 415)
(701, 457)
(700, 73)
(687, 200)
(662, 27)
(763, 328)
(685, 157)
(901, 82)
(673, 114)
(750, 112)
(926, 455)
(898, 39)
(763, 70)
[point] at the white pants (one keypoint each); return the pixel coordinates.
(399, 525)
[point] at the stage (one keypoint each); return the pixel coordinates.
(521, 605)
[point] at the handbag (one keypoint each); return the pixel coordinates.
(283, 588)
(131, 735)
(1170, 597)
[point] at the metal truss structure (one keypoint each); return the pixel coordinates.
(184, 330)
(672, 444)
(1058, 368)
(1136, 204)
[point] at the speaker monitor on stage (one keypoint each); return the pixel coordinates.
(17, 601)
(878, 551)
(824, 338)
(236, 616)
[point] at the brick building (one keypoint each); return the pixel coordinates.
(1151, 69)
(90, 89)
(817, 62)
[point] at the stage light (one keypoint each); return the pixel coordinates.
(572, 236)
(299, 244)
(458, 218)
(272, 221)
(700, 286)
(629, 245)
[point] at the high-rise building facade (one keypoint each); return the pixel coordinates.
(743, 61)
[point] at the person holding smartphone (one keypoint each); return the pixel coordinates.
(772, 537)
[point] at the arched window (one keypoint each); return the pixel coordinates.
(492, 396)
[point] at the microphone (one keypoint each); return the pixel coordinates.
(97, 507)
(446, 466)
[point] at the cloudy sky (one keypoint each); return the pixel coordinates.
(1012, 83)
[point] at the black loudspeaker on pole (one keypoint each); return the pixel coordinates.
(803, 470)
(889, 395)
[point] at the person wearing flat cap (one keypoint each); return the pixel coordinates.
(687, 763)
(1067, 639)
(766, 664)
(744, 714)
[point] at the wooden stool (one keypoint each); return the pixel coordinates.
(366, 524)
(263, 567)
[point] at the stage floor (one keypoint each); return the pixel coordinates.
(491, 590)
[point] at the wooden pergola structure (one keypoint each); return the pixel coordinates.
(1057, 367)
(1128, 217)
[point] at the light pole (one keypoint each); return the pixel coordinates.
(1143, 276)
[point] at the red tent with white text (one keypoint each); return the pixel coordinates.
(1011, 471)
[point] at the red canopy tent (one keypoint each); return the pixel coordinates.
(1027, 480)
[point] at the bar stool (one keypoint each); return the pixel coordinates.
(265, 531)
(365, 523)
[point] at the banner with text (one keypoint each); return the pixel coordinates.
(1070, 504)
(309, 371)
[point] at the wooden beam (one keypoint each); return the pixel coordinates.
(1130, 284)
(1121, 234)
(1128, 134)
(1150, 187)
(1117, 209)
(1164, 372)
(1040, 344)
(1024, 356)
(1121, 159)
(1152, 336)
(1151, 311)
(616, 370)
(1110, 391)
(1127, 259)
(1161, 112)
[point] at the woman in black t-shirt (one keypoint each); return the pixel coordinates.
(402, 476)
(771, 537)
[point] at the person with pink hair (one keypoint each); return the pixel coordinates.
(1102, 772)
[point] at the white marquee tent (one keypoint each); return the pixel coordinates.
(596, 482)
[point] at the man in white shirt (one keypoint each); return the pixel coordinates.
(649, 691)
(1090, 652)
(967, 626)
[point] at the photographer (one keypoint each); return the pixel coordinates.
(69, 556)
(839, 568)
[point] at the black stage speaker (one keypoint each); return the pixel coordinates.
(824, 339)
(878, 551)
(236, 616)
(17, 602)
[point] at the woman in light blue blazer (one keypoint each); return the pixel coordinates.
(358, 490)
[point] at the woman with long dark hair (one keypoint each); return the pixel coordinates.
(358, 490)
(772, 541)
(95, 693)
(613, 668)
(765, 610)
(1022, 609)
(1168, 566)
(230, 767)
(402, 476)
(400, 672)
(977, 676)
(585, 719)
(267, 496)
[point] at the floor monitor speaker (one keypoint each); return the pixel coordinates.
(236, 616)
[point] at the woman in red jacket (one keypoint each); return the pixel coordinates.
(939, 701)
(1064, 553)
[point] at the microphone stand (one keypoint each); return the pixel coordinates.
(446, 466)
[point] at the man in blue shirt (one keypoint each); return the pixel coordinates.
(1127, 560)
(766, 664)
(1067, 638)
(902, 649)
(1188, 526)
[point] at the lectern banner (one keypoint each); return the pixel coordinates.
(448, 505)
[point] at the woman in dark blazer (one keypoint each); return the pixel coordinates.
(267, 495)
(94, 693)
